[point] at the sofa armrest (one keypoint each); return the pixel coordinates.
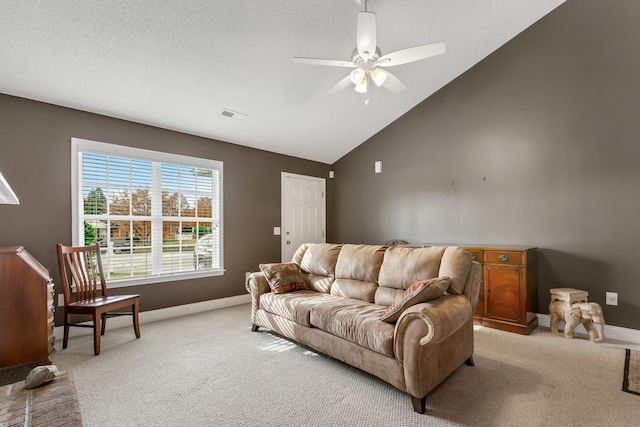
(429, 323)
(256, 285)
(432, 340)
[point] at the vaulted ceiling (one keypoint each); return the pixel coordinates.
(177, 64)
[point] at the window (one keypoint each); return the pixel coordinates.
(156, 216)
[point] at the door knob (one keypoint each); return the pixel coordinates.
(288, 242)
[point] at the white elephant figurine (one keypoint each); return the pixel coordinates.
(587, 313)
(556, 313)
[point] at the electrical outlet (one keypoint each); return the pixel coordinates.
(612, 298)
(60, 300)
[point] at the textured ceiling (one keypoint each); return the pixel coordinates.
(176, 64)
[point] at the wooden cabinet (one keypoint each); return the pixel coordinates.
(26, 310)
(508, 298)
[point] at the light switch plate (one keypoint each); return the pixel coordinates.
(612, 298)
(276, 231)
(378, 166)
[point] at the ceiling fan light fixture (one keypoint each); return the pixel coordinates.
(378, 76)
(367, 57)
(362, 86)
(358, 76)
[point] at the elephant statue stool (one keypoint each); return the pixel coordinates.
(587, 313)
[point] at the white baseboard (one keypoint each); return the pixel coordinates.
(160, 314)
(610, 331)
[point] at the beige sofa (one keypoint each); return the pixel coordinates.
(350, 286)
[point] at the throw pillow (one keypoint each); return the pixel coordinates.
(423, 291)
(283, 277)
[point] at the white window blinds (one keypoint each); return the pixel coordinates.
(155, 215)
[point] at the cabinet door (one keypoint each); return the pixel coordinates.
(504, 295)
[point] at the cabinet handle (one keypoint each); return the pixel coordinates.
(503, 258)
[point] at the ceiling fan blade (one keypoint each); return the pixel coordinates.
(341, 85)
(366, 34)
(411, 54)
(328, 62)
(393, 84)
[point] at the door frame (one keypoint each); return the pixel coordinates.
(323, 181)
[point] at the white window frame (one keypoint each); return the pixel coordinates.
(78, 146)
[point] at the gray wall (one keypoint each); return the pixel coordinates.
(35, 158)
(536, 145)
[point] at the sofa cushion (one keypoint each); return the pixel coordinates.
(320, 259)
(355, 321)
(347, 288)
(319, 283)
(456, 263)
(299, 253)
(385, 296)
(422, 291)
(283, 277)
(403, 267)
(360, 262)
(294, 306)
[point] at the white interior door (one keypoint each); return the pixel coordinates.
(303, 212)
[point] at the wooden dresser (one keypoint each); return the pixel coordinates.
(508, 288)
(508, 298)
(26, 310)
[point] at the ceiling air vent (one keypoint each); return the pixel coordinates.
(233, 114)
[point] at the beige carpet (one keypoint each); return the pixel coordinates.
(208, 369)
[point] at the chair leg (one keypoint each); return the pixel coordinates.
(136, 324)
(96, 334)
(65, 339)
(254, 327)
(103, 321)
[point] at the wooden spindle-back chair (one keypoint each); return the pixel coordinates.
(85, 292)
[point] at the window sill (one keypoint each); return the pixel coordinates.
(147, 280)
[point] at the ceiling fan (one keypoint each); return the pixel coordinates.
(367, 60)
